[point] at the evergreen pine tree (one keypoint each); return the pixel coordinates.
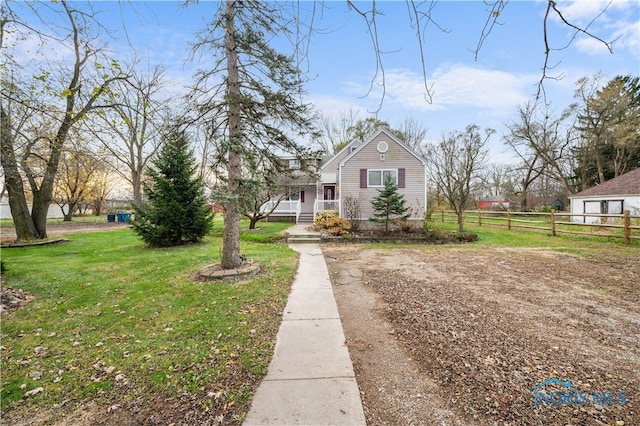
(389, 205)
(175, 212)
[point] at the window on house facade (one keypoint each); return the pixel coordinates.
(379, 177)
(294, 164)
(375, 178)
(296, 196)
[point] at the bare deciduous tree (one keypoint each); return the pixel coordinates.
(422, 15)
(544, 143)
(76, 174)
(413, 134)
(60, 94)
(130, 130)
(335, 133)
(454, 164)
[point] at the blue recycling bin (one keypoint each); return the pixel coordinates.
(124, 217)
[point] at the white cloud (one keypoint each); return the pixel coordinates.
(591, 46)
(458, 86)
(610, 20)
(584, 11)
(462, 95)
(333, 106)
(627, 36)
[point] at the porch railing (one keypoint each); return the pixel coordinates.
(285, 207)
(321, 205)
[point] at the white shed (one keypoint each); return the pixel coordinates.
(611, 197)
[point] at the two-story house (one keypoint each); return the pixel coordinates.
(357, 173)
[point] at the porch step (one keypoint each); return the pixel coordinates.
(303, 239)
(305, 218)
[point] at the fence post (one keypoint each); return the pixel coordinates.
(509, 219)
(627, 224)
(553, 223)
(479, 217)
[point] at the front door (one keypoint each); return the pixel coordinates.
(329, 192)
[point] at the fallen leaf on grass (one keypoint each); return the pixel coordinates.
(33, 392)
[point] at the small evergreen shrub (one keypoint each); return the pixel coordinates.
(176, 212)
(464, 237)
(389, 206)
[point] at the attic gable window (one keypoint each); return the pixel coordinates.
(294, 164)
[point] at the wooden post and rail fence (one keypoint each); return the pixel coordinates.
(622, 225)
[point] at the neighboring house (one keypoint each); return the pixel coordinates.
(611, 197)
(557, 204)
(54, 211)
(494, 204)
(355, 174)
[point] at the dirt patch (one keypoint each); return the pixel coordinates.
(463, 335)
(12, 299)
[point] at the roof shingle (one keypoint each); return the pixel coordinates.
(626, 184)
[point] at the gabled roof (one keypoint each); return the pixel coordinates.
(392, 137)
(337, 154)
(626, 184)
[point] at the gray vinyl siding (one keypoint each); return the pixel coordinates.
(396, 157)
(332, 166)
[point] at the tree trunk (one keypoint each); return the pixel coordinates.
(136, 182)
(42, 197)
(253, 220)
(599, 165)
(97, 207)
(68, 216)
(523, 201)
(25, 229)
(231, 236)
(460, 222)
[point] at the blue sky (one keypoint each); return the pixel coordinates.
(466, 91)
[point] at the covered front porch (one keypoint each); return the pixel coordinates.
(303, 206)
(294, 211)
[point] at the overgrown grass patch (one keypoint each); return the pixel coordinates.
(114, 320)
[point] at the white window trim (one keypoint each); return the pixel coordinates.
(294, 164)
(369, 185)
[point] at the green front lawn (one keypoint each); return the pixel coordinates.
(113, 320)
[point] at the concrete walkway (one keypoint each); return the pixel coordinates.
(310, 380)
